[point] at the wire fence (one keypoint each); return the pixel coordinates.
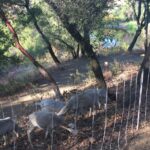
(111, 127)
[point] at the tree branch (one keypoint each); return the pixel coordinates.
(71, 28)
(41, 69)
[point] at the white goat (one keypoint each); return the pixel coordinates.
(82, 102)
(46, 121)
(51, 105)
(7, 125)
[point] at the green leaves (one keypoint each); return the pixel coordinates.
(5, 40)
(36, 11)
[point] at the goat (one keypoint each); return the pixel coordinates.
(51, 105)
(82, 102)
(7, 125)
(46, 121)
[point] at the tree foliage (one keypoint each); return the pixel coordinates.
(5, 40)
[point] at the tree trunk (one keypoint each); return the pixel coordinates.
(138, 32)
(46, 40)
(41, 69)
(74, 53)
(86, 36)
(86, 33)
(95, 66)
(146, 6)
(78, 50)
(82, 50)
(140, 24)
(145, 66)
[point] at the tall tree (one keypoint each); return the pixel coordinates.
(140, 19)
(41, 69)
(145, 66)
(147, 20)
(72, 29)
(44, 37)
(86, 36)
(74, 51)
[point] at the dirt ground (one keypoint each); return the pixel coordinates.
(22, 103)
(140, 141)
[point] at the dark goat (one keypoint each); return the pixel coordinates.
(47, 121)
(82, 102)
(8, 125)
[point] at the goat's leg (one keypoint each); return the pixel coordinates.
(90, 112)
(16, 134)
(62, 111)
(5, 140)
(99, 106)
(46, 133)
(31, 128)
